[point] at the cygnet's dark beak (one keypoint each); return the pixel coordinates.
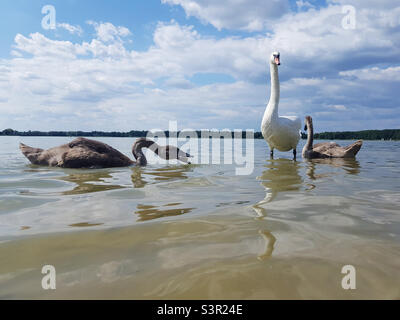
(184, 156)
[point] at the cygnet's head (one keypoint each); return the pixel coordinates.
(308, 123)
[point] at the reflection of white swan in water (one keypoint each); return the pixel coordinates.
(269, 244)
(258, 207)
(281, 175)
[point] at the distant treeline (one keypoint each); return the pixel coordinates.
(388, 134)
(133, 133)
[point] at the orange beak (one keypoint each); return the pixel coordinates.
(277, 61)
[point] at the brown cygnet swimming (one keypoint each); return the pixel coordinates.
(87, 153)
(327, 149)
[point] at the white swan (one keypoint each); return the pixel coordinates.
(282, 133)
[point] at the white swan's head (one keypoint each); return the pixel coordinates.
(276, 58)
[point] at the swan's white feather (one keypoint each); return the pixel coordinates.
(282, 133)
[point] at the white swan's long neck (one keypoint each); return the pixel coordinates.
(272, 107)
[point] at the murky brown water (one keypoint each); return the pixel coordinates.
(200, 231)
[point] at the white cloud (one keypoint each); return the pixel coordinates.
(108, 32)
(172, 35)
(307, 81)
(304, 4)
(251, 15)
(374, 73)
(38, 45)
(372, 4)
(319, 34)
(338, 107)
(178, 82)
(70, 28)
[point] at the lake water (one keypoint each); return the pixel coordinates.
(200, 231)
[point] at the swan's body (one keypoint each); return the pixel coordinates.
(86, 153)
(327, 149)
(282, 133)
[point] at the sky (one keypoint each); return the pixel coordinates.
(126, 65)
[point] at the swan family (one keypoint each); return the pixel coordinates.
(283, 132)
(280, 132)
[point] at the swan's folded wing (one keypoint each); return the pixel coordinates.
(93, 145)
(79, 157)
(293, 121)
(82, 157)
(86, 153)
(325, 145)
(330, 149)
